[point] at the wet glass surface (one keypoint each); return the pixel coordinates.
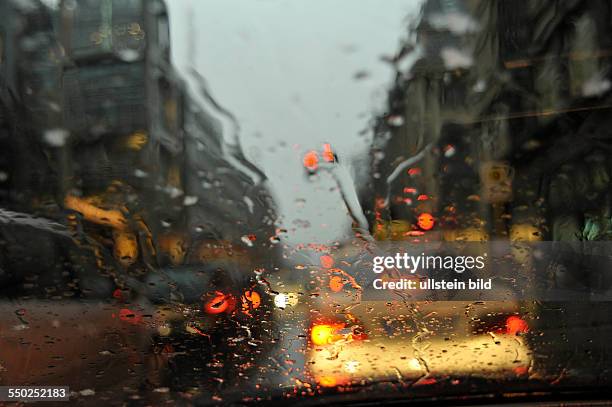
(192, 195)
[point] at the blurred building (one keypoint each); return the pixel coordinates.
(500, 128)
(100, 135)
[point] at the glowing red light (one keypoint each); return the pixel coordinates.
(117, 294)
(427, 381)
(414, 171)
(521, 370)
(219, 304)
(327, 261)
(515, 325)
(425, 221)
(129, 316)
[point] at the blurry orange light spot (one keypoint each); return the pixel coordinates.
(422, 197)
(328, 154)
(327, 381)
(323, 334)
(414, 171)
(408, 190)
(516, 325)
(253, 297)
(348, 278)
(327, 261)
(425, 221)
(311, 160)
(336, 283)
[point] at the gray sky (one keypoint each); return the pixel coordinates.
(286, 69)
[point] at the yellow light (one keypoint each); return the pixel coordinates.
(524, 233)
(174, 246)
(92, 213)
(327, 381)
(136, 141)
(322, 334)
(292, 299)
(164, 330)
(125, 249)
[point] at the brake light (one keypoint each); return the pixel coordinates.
(515, 325)
(414, 171)
(130, 316)
(220, 303)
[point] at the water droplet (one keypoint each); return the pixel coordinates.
(395, 120)
(190, 200)
(56, 137)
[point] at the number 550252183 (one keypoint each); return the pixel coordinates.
(34, 393)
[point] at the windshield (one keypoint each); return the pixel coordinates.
(231, 202)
